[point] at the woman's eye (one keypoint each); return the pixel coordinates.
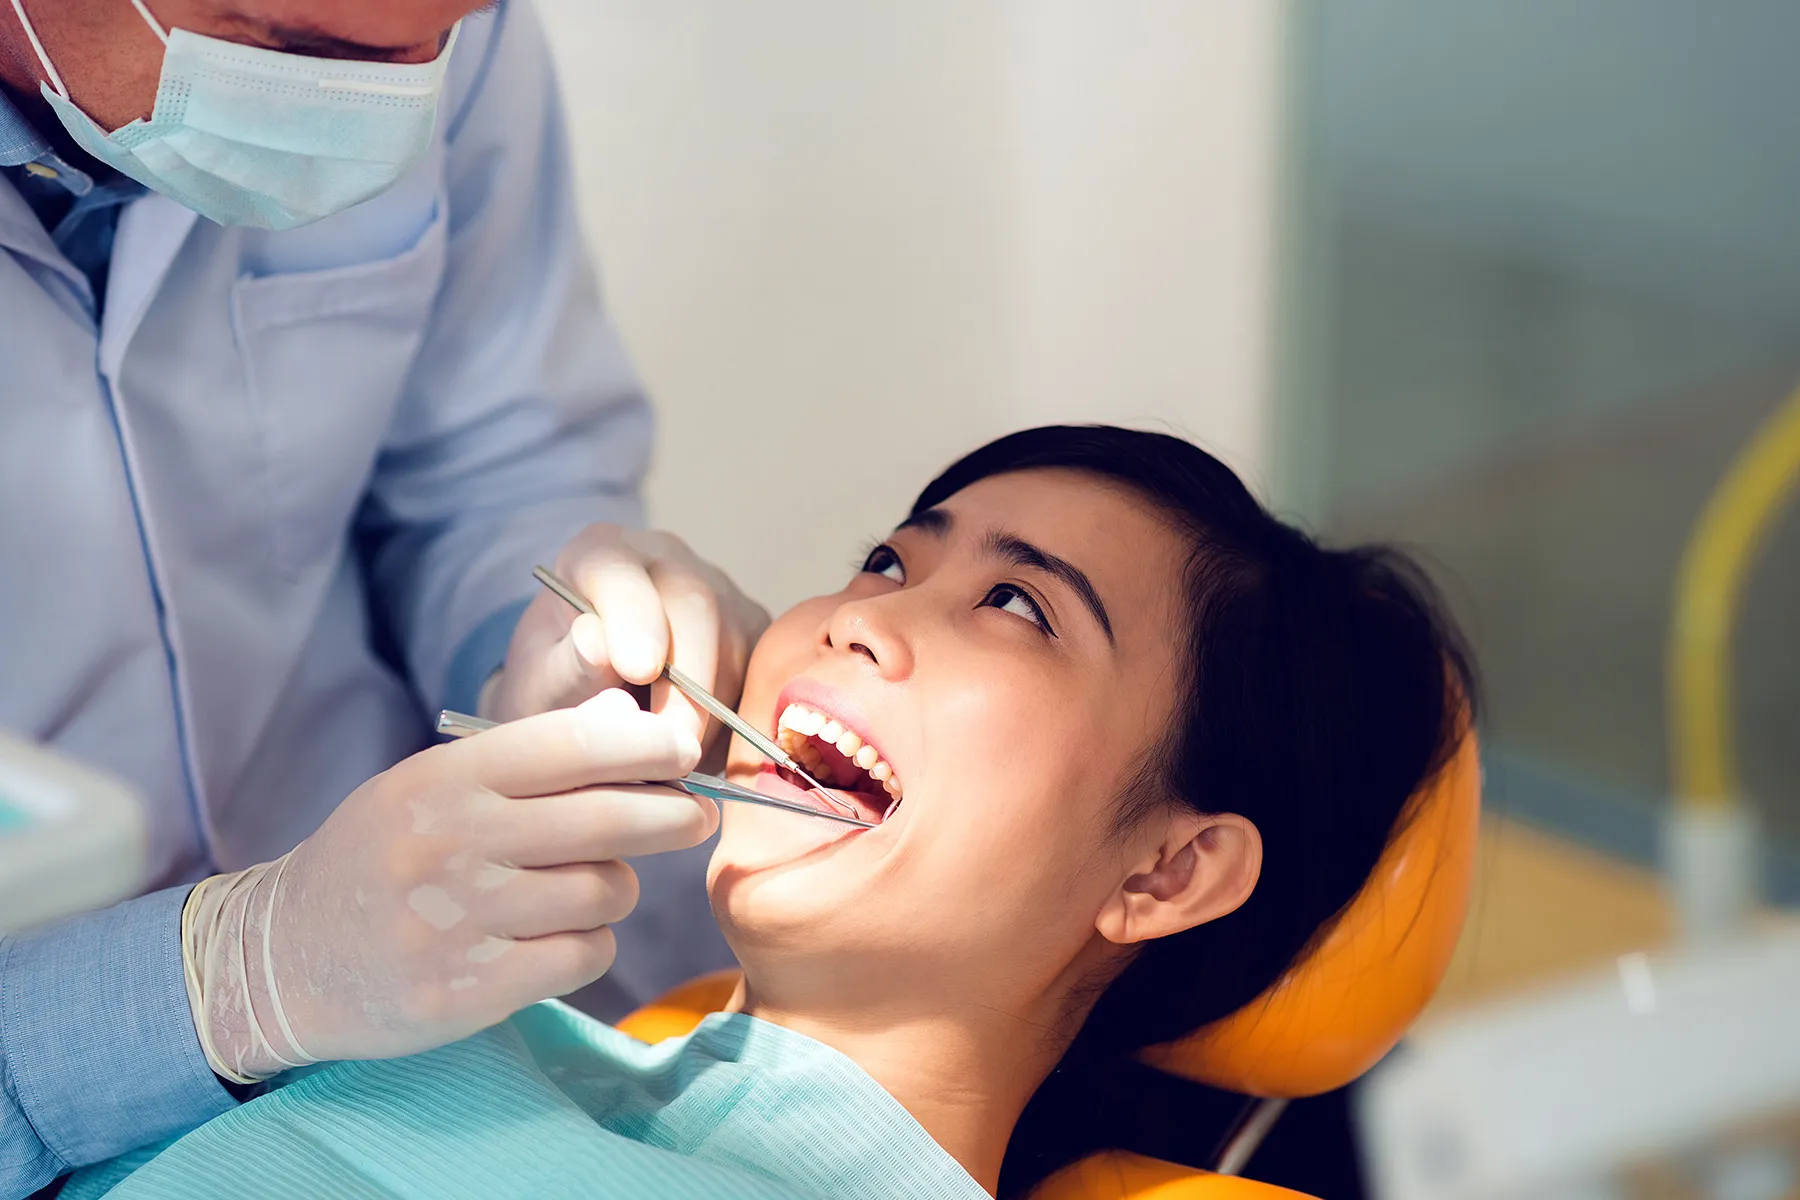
(883, 561)
(1016, 600)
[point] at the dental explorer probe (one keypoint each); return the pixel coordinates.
(705, 699)
(460, 725)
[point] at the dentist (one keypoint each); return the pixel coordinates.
(302, 367)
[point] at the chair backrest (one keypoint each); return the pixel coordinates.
(677, 1011)
(1326, 1021)
(1114, 1175)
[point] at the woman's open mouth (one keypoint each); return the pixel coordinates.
(838, 757)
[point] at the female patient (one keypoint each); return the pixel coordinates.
(1131, 743)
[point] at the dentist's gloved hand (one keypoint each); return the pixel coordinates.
(657, 602)
(469, 881)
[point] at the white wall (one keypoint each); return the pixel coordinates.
(848, 242)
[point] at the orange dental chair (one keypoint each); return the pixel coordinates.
(1330, 1018)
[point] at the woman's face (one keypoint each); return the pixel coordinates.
(1005, 662)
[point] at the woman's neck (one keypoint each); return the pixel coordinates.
(965, 1075)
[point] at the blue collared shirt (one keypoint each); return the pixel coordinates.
(262, 510)
(80, 214)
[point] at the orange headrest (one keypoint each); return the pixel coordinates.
(677, 1011)
(1338, 1010)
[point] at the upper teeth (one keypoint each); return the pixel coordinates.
(799, 723)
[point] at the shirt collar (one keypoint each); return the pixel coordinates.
(20, 142)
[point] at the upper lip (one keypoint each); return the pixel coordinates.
(834, 703)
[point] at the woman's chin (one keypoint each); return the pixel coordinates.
(787, 865)
(774, 873)
(753, 838)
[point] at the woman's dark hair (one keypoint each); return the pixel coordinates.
(1320, 689)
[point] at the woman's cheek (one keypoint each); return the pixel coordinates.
(999, 809)
(785, 648)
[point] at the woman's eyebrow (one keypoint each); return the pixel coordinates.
(1021, 553)
(933, 521)
(1011, 548)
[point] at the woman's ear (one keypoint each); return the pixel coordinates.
(1201, 869)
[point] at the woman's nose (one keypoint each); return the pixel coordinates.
(869, 628)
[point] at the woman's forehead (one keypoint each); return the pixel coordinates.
(1075, 509)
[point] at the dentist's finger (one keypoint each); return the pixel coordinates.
(572, 898)
(603, 740)
(557, 964)
(616, 583)
(575, 667)
(597, 824)
(691, 608)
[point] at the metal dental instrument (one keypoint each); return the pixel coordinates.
(718, 789)
(461, 725)
(705, 699)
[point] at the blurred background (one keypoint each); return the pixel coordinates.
(1509, 283)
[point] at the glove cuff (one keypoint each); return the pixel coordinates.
(230, 975)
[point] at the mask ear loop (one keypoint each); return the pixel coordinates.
(150, 20)
(37, 47)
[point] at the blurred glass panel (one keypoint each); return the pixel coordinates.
(1551, 261)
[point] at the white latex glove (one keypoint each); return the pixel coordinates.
(657, 602)
(469, 881)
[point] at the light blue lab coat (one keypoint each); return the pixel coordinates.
(278, 503)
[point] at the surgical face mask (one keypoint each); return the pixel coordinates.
(247, 136)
